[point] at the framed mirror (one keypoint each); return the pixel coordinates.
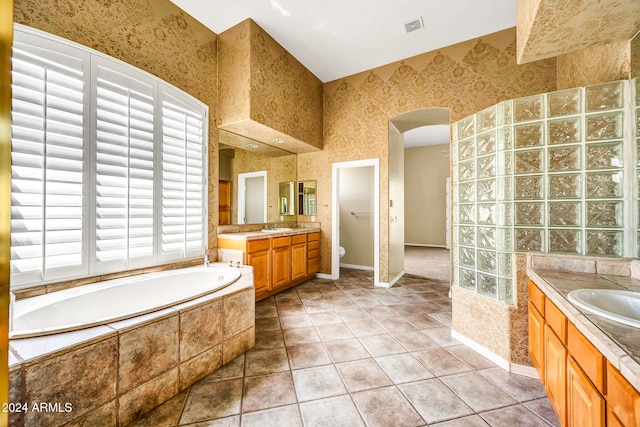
(250, 174)
(307, 198)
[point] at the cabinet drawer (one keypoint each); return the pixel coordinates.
(280, 242)
(313, 237)
(556, 320)
(536, 297)
(622, 398)
(313, 254)
(314, 244)
(587, 356)
(257, 245)
(313, 265)
(300, 238)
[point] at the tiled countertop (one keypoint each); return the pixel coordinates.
(558, 275)
(255, 235)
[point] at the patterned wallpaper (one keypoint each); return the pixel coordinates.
(265, 93)
(154, 35)
(549, 28)
(597, 64)
(466, 78)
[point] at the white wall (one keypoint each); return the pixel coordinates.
(426, 170)
(356, 231)
(396, 203)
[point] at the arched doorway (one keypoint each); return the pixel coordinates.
(402, 208)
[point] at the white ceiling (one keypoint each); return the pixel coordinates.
(427, 135)
(337, 38)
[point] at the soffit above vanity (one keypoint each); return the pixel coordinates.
(548, 28)
(265, 94)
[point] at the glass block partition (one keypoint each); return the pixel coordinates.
(544, 173)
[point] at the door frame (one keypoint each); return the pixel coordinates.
(335, 220)
(242, 193)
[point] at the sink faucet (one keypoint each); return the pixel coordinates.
(206, 261)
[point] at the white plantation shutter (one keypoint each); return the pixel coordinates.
(124, 167)
(108, 165)
(48, 230)
(183, 177)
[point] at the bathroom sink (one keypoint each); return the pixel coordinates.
(619, 306)
(276, 230)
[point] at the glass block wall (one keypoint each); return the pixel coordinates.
(542, 173)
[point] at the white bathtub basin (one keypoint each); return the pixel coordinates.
(616, 305)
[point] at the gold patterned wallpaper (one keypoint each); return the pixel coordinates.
(266, 93)
(548, 28)
(154, 35)
(466, 78)
(635, 57)
(597, 64)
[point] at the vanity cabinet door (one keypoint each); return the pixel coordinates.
(260, 261)
(623, 400)
(536, 340)
(281, 261)
(585, 406)
(555, 379)
(298, 256)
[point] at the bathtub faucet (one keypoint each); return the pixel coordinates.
(206, 261)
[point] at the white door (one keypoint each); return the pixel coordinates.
(252, 197)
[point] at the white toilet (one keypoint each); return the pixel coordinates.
(341, 252)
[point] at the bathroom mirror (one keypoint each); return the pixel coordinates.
(287, 197)
(307, 198)
(250, 174)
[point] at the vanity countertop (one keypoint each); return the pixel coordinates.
(619, 343)
(256, 235)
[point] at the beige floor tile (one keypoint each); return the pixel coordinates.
(353, 315)
(317, 383)
(519, 387)
(308, 356)
(415, 340)
(435, 401)
(386, 407)
(542, 408)
(260, 362)
(339, 411)
(382, 345)
(346, 350)
(301, 336)
(403, 368)
(396, 324)
(441, 362)
(470, 357)
(365, 328)
(291, 321)
(211, 400)
(285, 416)
(471, 421)
(268, 391)
(442, 336)
(478, 392)
(513, 416)
(363, 375)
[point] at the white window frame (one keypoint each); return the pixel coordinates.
(90, 265)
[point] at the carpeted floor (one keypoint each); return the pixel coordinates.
(430, 263)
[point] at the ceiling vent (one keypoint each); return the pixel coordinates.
(416, 24)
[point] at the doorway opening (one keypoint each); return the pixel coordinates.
(421, 148)
(356, 207)
(252, 197)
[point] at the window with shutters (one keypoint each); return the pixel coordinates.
(108, 164)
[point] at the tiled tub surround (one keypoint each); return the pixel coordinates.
(557, 275)
(113, 373)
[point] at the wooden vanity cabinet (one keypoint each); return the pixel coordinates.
(298, 256)
(584, 389)
(258, 255)
(278, 262)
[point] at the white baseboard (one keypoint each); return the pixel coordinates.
(357, 267)
(498, 360)
(395, 279)
(324, 276)
(422, 245)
